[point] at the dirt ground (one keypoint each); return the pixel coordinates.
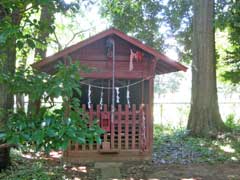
(152, 170)
(149, 171)
(190, 171)
(140, 170)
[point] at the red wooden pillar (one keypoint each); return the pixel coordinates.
(98, 117)
(126, 126)
(133, 126)
(84, 110)
(90, 123)
(119, 127)
(150, 109)
(150, 116)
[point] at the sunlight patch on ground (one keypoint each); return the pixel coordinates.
(56, 154)
(234, 158)
(80, 169)
(28, 156)
(227, 148)
(76, 178)
(52, 155)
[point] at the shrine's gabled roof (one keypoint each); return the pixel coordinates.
(163, 65)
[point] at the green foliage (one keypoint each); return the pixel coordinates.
(231, 19)
(175, 145)
(17, 22)
(51, 131)
(140, 18)
(178, 18)
(37, 171)
(26, 169)
(232, 123)
(178, 15)
(49, 128)
(144, 19)
(20, 23)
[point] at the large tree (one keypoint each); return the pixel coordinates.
(7, 65)
(18, 31)
(177, 18)
(204, 117)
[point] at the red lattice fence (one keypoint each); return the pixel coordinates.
(129, 130)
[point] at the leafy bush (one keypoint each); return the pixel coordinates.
(49, 128)
(232, 124)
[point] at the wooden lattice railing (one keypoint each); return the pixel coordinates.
(129, 131)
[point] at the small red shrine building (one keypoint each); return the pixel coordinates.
(129, 132)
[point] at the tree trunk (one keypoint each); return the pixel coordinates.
(20, 102)
(4, 157)
(6, 98)
(204, 118)
(46, 20)
(7, 65)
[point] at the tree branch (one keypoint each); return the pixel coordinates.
(57, 41)
(74, 36)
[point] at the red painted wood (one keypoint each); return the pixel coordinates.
(76, 147)
(126, 125)
(94, 42)
(150, 120)
(109, 91)
(140, 129)
(90, 57)
(121, 134)
(112, 133)
(142, 92)
(91, 53)
(103, 66)
(119, 126)
(91, 115)
(105, 109)
(133, 126)
(119, 75)
(105, 121)
(98, 115)
(84, 110)
(98, 118)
